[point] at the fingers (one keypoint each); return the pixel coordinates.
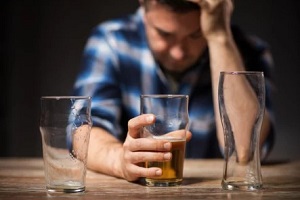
(188, 136)
(148, 144)
(140, 150)
(206, 3)
(135, 124)
(140, 157)
(137, 172)
(143, 150)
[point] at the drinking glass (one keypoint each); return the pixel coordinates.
(65, 124)
(171, 124)
(241, 103)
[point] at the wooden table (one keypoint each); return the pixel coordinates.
(23, 178)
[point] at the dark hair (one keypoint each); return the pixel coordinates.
(180, 6)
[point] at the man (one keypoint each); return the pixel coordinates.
(168, 46)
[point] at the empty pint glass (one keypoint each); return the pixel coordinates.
(241, 103)
(65, 125)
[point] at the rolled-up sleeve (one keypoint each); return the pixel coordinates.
(99, 79)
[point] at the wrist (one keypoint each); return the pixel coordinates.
(220, 38)
(117, 164)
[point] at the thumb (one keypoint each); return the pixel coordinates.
(135, 124)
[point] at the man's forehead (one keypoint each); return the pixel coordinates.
(172, 23)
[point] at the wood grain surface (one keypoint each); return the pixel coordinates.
(23, 178)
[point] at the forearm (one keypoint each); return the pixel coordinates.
(104, 153)
(224, 56)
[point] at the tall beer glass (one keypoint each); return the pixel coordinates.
(242, 103)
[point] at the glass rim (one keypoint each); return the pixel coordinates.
(241, 72)
(64, 97)
(164, 96)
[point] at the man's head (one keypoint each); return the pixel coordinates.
(174, 33)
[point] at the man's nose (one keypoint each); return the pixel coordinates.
(177, 52)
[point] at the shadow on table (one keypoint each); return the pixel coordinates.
(196, 180)
(187, 181)
(275, 162)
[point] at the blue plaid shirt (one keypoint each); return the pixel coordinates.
(118, 67)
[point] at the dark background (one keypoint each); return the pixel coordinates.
(42, 42)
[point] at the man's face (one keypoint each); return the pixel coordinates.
(175, 39)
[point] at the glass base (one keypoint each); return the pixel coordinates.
(241, 185)
(65, 190)
(66, 187)
(162, 183)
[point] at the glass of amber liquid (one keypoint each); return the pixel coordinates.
(171, 124)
